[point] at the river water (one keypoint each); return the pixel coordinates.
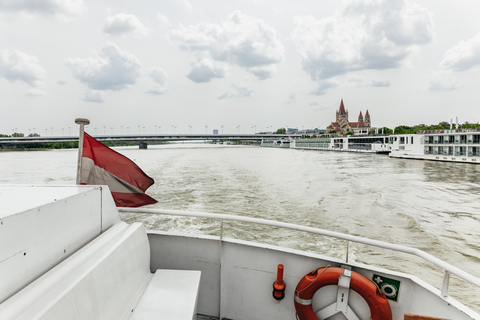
(433, 206)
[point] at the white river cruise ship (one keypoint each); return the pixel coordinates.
(457, 145)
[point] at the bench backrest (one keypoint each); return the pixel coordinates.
(103, 280)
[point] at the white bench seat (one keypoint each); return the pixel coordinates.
(105, 279)
(172, 295)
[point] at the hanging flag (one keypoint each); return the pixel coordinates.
(101, 165)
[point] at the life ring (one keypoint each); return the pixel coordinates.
(311, 282)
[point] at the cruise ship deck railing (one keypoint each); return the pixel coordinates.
(448, 268)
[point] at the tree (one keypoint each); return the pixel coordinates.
(281, 131)
(399, 130)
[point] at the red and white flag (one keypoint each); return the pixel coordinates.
(104, 166)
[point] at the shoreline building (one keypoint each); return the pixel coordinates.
(342, 125)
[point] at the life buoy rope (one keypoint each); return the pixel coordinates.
(313, 281)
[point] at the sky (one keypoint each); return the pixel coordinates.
(237, 66)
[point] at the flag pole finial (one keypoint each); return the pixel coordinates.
(82, 122)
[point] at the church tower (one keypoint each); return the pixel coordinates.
(368, 122)
(360, 117)
(342, 115)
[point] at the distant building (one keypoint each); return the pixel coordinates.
(215, 131)
(342, 125)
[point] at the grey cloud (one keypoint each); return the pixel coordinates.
(380, 83)
(124, 24)
(292, 98)
(238, 40)
(323, 86)
(64, 9)
(443, 81)
(366, 35)
(238, 92)
(95, 96)
(159, 76)
(205, 70)
(35, 93)
(111, 69)
(18, 66)
(465, 55)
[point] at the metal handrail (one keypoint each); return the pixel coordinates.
(448, 268)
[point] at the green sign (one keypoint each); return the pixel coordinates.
(389, 287)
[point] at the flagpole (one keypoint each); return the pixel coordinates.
(82, 122)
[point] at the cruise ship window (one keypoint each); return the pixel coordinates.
(411, 141)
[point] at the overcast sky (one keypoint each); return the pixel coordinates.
(157, 65)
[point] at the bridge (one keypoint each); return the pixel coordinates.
(144, 139)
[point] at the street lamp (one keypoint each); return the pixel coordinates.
(189, 129)
(206, 128)
(222, 128)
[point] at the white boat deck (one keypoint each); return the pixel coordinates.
(88, 265)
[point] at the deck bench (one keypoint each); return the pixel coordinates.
(109, 278)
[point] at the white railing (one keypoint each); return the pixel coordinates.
(448, 268)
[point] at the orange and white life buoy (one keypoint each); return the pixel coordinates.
(313, 281)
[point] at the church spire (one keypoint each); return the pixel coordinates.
(342, 108)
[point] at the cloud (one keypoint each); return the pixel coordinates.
(377, 34)
(238, 92)
(292, 98)
(163, 19)
(62, 9)
(111, 69)
(323, 86)
(159, 77)
(443, 81)
(205, 70)
(465, 55)
(374, 83)
(35, 93)
(95, 96)
(380, 83)
(238, 40)
(124, 24)
(18, 66)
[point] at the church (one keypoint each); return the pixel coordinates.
(342, 125)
